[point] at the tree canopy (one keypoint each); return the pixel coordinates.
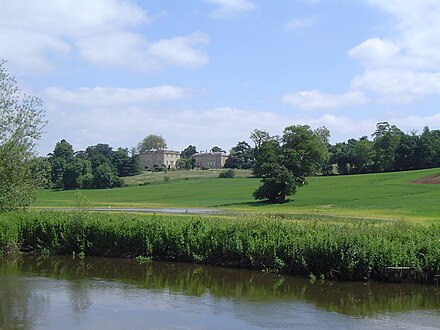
(21, 126)
(188, 151)
(390, 150)
(152, 142)
(283, 164)
(217, 149)
(241, 156)
(99, 166)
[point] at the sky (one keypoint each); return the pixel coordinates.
(209, 72)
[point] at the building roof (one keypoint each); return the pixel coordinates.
(161, 151)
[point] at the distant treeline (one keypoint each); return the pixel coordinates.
(390, 149)
(98, 166)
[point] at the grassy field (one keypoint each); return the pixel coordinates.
(383, 195)
(149, 177)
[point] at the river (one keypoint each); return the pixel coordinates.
(102, 293)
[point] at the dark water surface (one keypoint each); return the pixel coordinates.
(99, 293)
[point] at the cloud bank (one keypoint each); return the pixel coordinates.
(101, 32)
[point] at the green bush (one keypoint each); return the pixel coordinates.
(230, 173)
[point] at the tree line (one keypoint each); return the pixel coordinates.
(389, 149)
(98, 166)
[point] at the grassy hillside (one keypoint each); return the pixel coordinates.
(149, 177)
(384, 195)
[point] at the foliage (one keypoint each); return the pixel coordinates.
(230, 173)
(390, 150)
(77, 174)
(62, 154)
(152, 142)
(186, 162)
(217, 149)
(21, 126)
(354, 157)
(97, 167)
(241, 156)
(41, 171)
(386, 141)
(284, 165)
(104, 177)
(260, 136)
(344, 249)
(188, 152)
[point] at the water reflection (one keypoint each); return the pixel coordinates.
(32, 287)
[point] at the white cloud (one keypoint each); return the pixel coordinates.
(416, 27)
(105, 96)
(34, 35)
(405, 65)
(375, 52)
(314, 99)
(300, 23)
(227, 8)
(131, 50)
(398, 85)
(181, 50)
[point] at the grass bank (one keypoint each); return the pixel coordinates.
(343, 249)
(382, 195)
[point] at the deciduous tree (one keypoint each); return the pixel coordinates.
(152, 142)
(284, 165)
(21, 126)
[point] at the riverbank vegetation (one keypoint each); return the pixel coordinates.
(337, 248)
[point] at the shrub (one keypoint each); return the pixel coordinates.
(227, 174)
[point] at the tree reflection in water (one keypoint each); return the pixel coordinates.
(24, 302)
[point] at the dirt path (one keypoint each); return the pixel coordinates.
(432, 179)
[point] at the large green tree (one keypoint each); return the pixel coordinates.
(61, 156)
(21, 126)
(240, 156)
(284, 164)
(152, 142)
(386, 141)
(186, 161)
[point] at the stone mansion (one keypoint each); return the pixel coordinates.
(170, 159)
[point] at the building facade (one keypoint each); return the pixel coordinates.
(159, 158)
(210, 159)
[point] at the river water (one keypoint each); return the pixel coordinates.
(100, 293)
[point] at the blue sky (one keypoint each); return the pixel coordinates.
(208, 72)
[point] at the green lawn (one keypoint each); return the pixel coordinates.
(384, 195)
